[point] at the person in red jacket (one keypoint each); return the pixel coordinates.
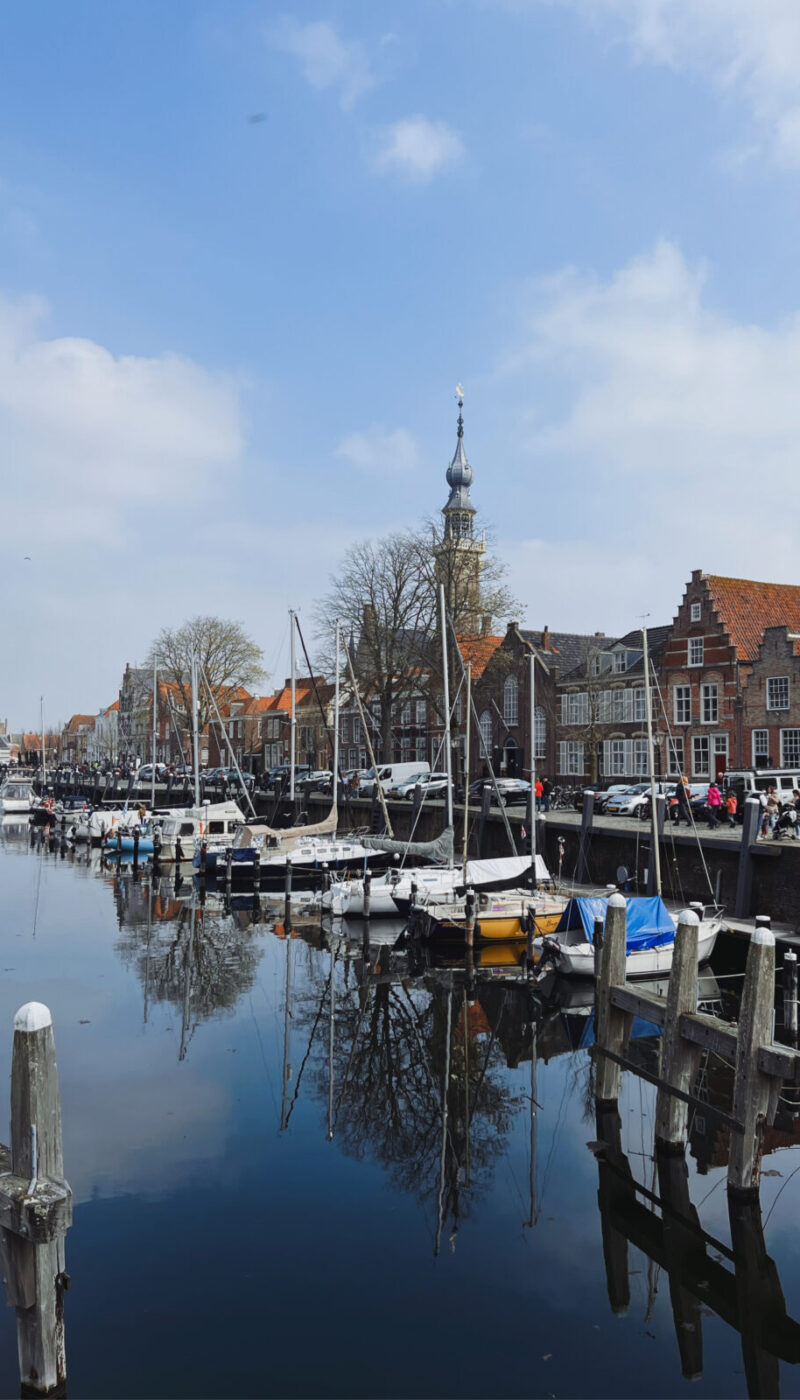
(714, 803)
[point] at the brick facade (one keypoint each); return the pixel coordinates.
(771, 703)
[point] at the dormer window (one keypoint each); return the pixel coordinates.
(620, 661)
(695, 611)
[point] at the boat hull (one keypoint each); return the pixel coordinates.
(578, 961)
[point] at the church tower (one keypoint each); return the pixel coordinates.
(459, 555)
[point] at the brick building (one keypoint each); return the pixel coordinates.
(709, 656)
(771, 702)
(601, 714)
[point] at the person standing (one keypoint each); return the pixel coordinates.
(682, 799)
(773, 808)
(730, 807)
(547, 788)
(538, 789)
(714, 804)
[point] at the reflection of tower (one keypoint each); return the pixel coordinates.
(459, 554)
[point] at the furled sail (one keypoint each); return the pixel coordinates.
(440, 851)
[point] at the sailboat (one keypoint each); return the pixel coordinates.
(650, 926)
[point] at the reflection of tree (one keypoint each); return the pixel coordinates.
(200, 960)
(390, 1055)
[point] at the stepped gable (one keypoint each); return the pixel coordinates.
(746, 607)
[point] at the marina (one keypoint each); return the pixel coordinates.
(355, 1100)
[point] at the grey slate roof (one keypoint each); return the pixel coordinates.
(571, 648)
(656, 641)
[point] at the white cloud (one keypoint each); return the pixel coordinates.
(417, 149)
(378, 450)
(86, 433)
(672, 432)
(748, 48)
(326, 60)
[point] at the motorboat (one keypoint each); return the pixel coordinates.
(216, 822)
(650, 942)
(17, 795)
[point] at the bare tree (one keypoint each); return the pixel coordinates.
(229, 659)
(385, 595)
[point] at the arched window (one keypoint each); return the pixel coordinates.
(511, 700)
(540, 733)
(486, 734)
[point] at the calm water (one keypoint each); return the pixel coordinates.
(393, 1237)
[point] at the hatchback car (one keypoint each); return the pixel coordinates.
(429, 782)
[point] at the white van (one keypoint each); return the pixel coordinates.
(391, 774)
(746, 782)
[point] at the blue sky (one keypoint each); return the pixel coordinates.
(229, 347)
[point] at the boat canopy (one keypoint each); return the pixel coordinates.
(649, 922)
(504, 870)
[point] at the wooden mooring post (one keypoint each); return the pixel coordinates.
(761, 1066)
(789, 988)
(35, 1206)
(582, 874)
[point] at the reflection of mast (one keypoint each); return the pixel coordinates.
(445, 1086)
(330, 1044)
(534, 1053)
(187, 980)
(466, 1067)
(147, 956)
(286, 1015)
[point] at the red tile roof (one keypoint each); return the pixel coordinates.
(78, 722)
(746, 607)
(479, 650)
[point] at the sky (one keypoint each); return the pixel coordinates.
(248, 250)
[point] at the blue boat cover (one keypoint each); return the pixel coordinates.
(649, 922)
(639, 1029)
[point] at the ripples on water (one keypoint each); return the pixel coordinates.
(307, 1165)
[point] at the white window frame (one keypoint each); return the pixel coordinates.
(682, 696)
(540, 733)
(696, 651)
(709, 703)
(695, 612)
(571, 759)
(487, 734)
(779, 701)
(790, 748)
(511, 700)
(701, 742)
(757, 737)
(675, 754)
(421, 711)
(620, 662)
(641, 767)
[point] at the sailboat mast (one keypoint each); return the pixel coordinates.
(466, 772)
(293, 726)
(336, 724)
(155, 730)
(533, 763)
(648, 709)
(44, 751)
(448, 754)
(195, 747)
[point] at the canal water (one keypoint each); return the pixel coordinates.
(307, 1166)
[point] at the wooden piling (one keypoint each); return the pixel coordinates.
(287, 896)
(367, 892)
(469, 918)
(751, 825)
(582, 874)
(751, 1089)
(613, 1025)
(679, 1058)
(789, 981)
(32, 1247)
(657, 816)
(681, 1244)
(597, 944)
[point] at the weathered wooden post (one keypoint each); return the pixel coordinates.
(35, 1205)
(656, 834)
(135, 848)
(759, 1296)
(681, 1237)
(587, 817)
(679, 1059)
(751, 1088)
(367, 892)
(469, 918)
(597, 944)
(228, 868)
(486, 802)
(612, 1025)
(751, 824)
(789, 980)
(287, 896)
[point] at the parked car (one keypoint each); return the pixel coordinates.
(635, 800)
(429, 782)
(321, 780)
(406, 784)
(602, 797)
(514, 792)
(145, 773)
(391, 774)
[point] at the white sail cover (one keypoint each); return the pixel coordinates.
(503, 869)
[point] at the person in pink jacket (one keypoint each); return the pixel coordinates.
(714, 803)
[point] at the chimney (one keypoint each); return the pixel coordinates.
(545, 638)
(486, 625)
